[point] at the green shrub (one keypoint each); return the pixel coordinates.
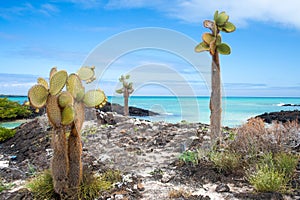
(12, 110)
(267, 179)
(273, 173)
(91, 187)
(189, 157)
(286, 163)
(225, 161)
(6, 133)
(4, 186)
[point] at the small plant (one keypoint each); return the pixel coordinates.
(126, 90)
(267, 179)
(225, 161)
(42, 186)
(4, 186)
(91, 187)
(189, 157)
(273, 173)
(157, 172)
(6, 134)
(286, 163)
(31, 169)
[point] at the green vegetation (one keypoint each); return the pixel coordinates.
(65, 111)
(11, 110)
(6, 133)
(4, 186)
(212, 42)
(91, 186)
(273, 173)
(189, 157)
(225, 161)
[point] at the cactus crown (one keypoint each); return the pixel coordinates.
(62, 106)
(126, 85)
(212, 42)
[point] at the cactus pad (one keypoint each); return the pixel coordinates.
(68, 115)
(223, 49)
(86, 74)
(202, 47)
(43, 82)
(75, 87)
(228, 27)
(94, 98)
(38, 96)
(53, 111)
(65, 98)
(52, 72)
(208, 38)
(57, 82)
(222, 19)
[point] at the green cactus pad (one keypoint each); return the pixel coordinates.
(43, 82)
(216, 15)
(75, 87)
(94, 98)
(53, 111)
(52, 72)
(222, 19)
(79, 117)
(65, 98)
(38, 96)
(68, 115)
(119, 91)
(223, 49)
(228, 27)
(201, 47)
(208, 38)
(57, 82)
(86, 73)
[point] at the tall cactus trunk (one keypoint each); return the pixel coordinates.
(75, 164)
(126, 96)
(60, 162)
(215, 100)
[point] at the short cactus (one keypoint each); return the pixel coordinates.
(65, 111)
(126, 90)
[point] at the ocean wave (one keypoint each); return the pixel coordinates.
(280, 104)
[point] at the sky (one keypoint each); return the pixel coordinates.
(153, 41)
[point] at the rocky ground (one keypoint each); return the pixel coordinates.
(145, 152)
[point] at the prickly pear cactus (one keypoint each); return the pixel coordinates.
(126, 90)
(65, 111)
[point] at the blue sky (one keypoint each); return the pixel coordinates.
(37, 35)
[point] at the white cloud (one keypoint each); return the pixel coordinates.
(284, 13)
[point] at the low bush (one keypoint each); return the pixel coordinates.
(273, 173)
(189, 157)
(12, 110)
(225, 161)
(6, 133)
(91, 187)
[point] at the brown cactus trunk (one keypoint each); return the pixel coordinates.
(60, 162)
(126, 96)
(75, 164)
(215, 100)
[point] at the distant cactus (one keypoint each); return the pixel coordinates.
(65, 111)
(212, 42)
(126, 90)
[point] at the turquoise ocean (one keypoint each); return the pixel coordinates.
(236, 110)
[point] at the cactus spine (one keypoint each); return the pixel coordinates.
(65, 111)
(126, 90)
(212, 42)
